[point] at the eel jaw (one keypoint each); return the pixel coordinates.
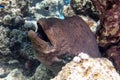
(40, 41)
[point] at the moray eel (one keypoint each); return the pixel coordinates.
(58, 41)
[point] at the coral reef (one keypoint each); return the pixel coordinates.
(83, 67)
(84, 7)
(17, 17)
(86, 10)
(52, 8)
(14, 42)
(13, 8)
(109, 34)
(81, 6)
(7, 64)
(68, 11)
(42, 73)
(94, 26)
(57, 40)
(4, 41)
(19, 44)
(47, 9)
(113, 53)
(15, 75)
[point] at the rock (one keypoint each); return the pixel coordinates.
(13, 8)
(88, 69)
(94, 26)
(52, 8)
(47, 9)
(15, 75)
(18, 21)
(113, 53)
(23, 5)
(31, 25)
(108, 36)
(109, 33)
(7, 20)
(20, 44)
(7, 64)
(86, 10)
(84, 7)
(42, 73)
(68, 11)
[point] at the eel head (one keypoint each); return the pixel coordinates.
(58, 41)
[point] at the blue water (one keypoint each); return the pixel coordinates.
(61, 16)
(67, 2)
(1, 6)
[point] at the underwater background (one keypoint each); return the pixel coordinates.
(18, 59)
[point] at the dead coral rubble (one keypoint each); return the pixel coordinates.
(87, 68)
(109, 34)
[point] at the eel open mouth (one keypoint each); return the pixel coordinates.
(42, 35)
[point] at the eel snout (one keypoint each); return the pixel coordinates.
(40, 41)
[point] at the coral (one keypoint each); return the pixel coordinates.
(7, 64)
(86, 10)
(113, 54)
(4, 41)
(14, 41)
(84, 7)
(10, 6)
(87, 68)
(13, 8)
(45, 8)
(102, 6)
(58, 41)
(109, 34)
(51, 8)
(67, 11)
(7, 20)
(42, 73)
(94, 26)
(13, 22)
(20, 44)
(15, 75)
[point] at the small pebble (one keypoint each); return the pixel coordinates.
(76, 59)
(19, 20)
(83, 55)
(7, 19)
